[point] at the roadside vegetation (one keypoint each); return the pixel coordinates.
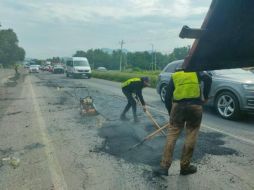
(123, 76)
(134, 64)
(10, 52)
(135, 61)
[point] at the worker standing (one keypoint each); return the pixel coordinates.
(184, 101)
(132, 87)
(16, 66)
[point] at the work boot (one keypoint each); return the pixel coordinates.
(124, 118)
(158, 171)
(188, 170)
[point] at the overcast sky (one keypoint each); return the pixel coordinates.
(48, 28)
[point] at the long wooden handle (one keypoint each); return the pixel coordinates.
(149, 137)
(156, 125)
(154, 122)
(156, 132)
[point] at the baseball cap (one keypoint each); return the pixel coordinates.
(146, 80)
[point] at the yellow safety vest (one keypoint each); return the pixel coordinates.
(126, 83)
(186, 85)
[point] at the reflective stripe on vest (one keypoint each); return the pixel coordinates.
(126, 83)
(186, 85)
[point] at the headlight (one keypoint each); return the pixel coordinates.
(248, 86)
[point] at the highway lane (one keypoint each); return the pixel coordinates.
(244, 128)
(224, 152)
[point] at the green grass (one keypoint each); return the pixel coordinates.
(123, 76)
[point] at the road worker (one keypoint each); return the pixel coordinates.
(16, 66)
(184, 99)
(130, 88)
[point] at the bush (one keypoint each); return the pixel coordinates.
(123, 76)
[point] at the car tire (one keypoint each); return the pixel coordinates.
(227, 105)
(163, 92)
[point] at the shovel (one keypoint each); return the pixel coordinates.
(149, 115)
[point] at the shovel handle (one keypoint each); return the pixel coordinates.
(154, 122)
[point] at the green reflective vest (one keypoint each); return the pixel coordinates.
(186, 85)
(126, 83)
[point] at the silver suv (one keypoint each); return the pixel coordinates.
(232, 90)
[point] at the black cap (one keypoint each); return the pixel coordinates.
(146, 80)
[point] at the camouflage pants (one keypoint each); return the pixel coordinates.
(182, 115)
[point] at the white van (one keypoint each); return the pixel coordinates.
(78, 67)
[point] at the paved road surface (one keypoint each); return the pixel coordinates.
(58, 149)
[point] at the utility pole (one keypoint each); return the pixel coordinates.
(155, 60)
(121, 55)
(93, 59)
(152, 57)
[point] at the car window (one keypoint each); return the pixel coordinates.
(69, 63)
(170, 68)
(80, 63)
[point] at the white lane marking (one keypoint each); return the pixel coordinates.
(54, 166)
(248, 141)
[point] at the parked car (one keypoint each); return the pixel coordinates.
(101, 69)
(34, 68)
(232, 90)
(58, 69)
(78, 67)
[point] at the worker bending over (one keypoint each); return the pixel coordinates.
(132, 87)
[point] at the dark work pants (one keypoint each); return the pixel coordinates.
(131, 103)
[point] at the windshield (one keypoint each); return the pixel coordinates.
(80, 63)
(230, 71)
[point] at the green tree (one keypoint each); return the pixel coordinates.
(10, 52)
(131, 60)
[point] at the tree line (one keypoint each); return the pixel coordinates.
(10, 52)
(131, 60)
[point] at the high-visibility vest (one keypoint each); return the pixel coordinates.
(126, 83)
(186, 85)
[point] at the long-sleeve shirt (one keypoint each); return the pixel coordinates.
(136, 88)
(202, 77)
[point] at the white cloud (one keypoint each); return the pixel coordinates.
(99, 23)
(85, 12)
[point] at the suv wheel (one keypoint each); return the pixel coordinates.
(227, 105)
(163, 92)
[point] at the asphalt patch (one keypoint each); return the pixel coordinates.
(60, 101)
(14, 113)
(34, 146)
(12, 82)
(121, 136)
(6, 152)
